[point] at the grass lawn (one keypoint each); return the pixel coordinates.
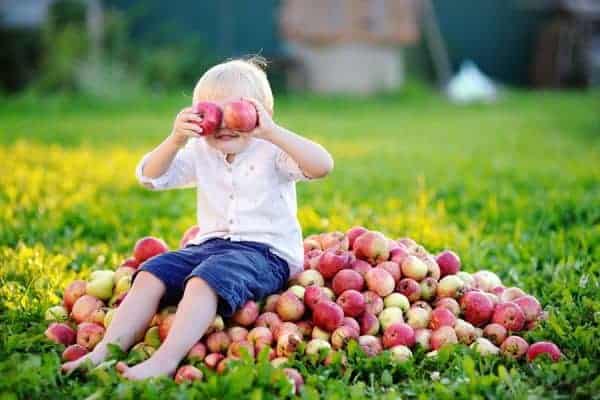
(512, 187)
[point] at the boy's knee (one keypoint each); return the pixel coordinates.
(147, 281)
(198, 285)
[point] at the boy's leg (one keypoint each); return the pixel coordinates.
(195, 313)
(132, 316)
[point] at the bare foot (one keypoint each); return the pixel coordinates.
(94, 358)
(150, 368)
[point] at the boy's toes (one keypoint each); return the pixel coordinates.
(121, 367)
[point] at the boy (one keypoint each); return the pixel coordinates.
(250, 241)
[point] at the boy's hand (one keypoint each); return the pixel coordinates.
(265, 126)
(186, 126)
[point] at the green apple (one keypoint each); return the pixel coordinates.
(56, 314)
(123, 285)
(140, 352)
(397, 300)
(101, 284)
(390, 316)
(152, 338)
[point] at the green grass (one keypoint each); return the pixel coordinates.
(512, 187)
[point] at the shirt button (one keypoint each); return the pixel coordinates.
(231, 196)
(231, 221)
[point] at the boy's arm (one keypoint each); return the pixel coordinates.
(170, 164)
(311, 157)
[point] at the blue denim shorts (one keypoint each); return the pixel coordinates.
(236, 271)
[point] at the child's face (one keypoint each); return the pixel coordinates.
(226, 140)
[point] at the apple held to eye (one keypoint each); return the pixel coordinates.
(211, 115)
(240, 116)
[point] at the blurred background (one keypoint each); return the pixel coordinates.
(111, 47)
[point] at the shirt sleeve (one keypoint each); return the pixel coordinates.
(288, 168)
(180, 174)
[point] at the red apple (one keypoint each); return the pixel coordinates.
(351, 323)
(223, 365)
(269, 320)
(289, 307)
(270, 303)
(246, 315)
(372, 247)
(360, 266)
(197, 352)
(188, 373)
(237, 333)
(398, 334)
(449, 262)
(149, 247)
(131, 262)
(373, 302)
(530, 306)
(211, 115)
(511, 293)
(391, 267)
(379, 281)
(84, 308)
(334, 241)
(353, 233)
(287, 344)
(409, 288)
(189, 234)
(441, 316)
(89, 334)
(510, 316)
(347, 279)
(74, 352)
(213, 359)
(514, 347)
(310, 277)
(295, 379)
(313, 295)
(237, 349)
(218, 342)
(539, 348)
(74, 291)
(260, 336)
(369, 324)
(342, 335)
(60, 333)
(333, 261)
(477, 308)
(443, 336)
(285, 328)
(327, 315)
(240, 116)
(496, 333)
(371, 345)
(449, 303)
(352, 302)
(312, 258)
(433, 269)
(399, 254)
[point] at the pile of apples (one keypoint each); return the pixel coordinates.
(360, 285)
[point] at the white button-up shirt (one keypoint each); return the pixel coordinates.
(251, 199)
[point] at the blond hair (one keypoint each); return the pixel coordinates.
(239, 77)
